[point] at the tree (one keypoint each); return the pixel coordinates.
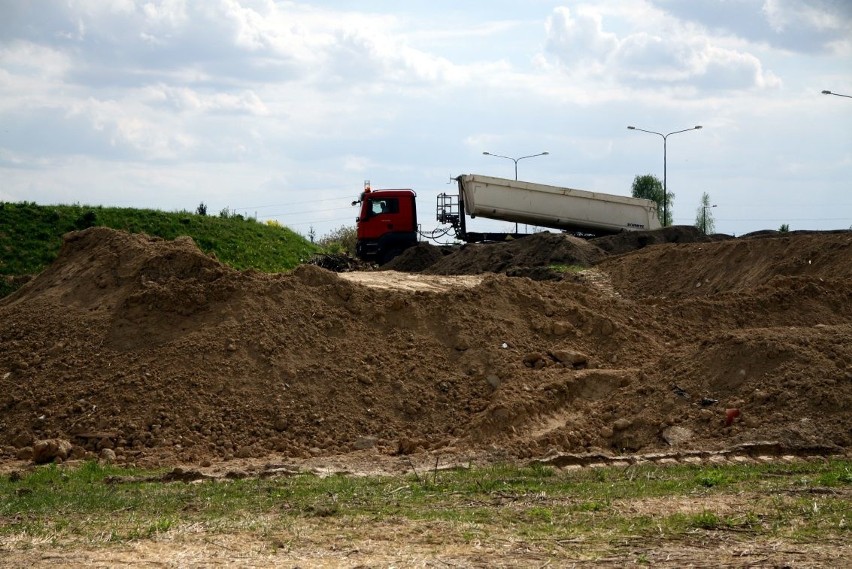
(201, 209)
(704, 216)
(650, 188)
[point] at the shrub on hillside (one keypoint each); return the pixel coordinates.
(340, 240)
(85, 220)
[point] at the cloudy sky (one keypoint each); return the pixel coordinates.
(281, 110)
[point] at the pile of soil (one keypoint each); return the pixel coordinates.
(539, 250)
(532, 255)
(416, 259)
(160, 354)
(628, 241)
(746, 265)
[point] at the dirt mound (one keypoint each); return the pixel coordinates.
(416, 259)
(703, 269)
(628, 241)
(159, 353)
(539, 250)
(531, 256)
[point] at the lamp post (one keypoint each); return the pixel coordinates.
(516, 160)
(826, 92)
(704, 218)
(665, 188)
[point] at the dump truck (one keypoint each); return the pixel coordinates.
(387, 223)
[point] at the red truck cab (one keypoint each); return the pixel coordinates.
(387, 224)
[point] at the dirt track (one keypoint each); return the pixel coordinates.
(159, 353)
(394, 280)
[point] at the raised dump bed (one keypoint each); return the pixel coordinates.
(550, 206)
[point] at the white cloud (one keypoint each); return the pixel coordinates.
(192, 100)
(232, 41)
(818, 16)
(131, 130)
(684, 55)
(579, 38)
(31, 60)
(358, 164)
(171, 13)
(813, 26)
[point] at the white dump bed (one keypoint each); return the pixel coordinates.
(558, 208)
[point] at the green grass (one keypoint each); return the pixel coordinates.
(803, 501)
(31, 236)
(559, 268)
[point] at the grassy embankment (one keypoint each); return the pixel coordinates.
(31, 236)
(597, 508)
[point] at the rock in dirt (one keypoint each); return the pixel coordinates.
(676, 435)
(570, 357)
(51, 450)
(363, 443)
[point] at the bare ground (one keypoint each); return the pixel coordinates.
(401, 542)
(161, 355)
(416, 547)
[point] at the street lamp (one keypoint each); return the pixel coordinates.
(704, 218)
(825, 92)
(516, 160)
(665, 188)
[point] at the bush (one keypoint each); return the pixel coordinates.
(229, 214)
(341, 240)
(88, 219)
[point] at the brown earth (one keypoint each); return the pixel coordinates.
(162, 355)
